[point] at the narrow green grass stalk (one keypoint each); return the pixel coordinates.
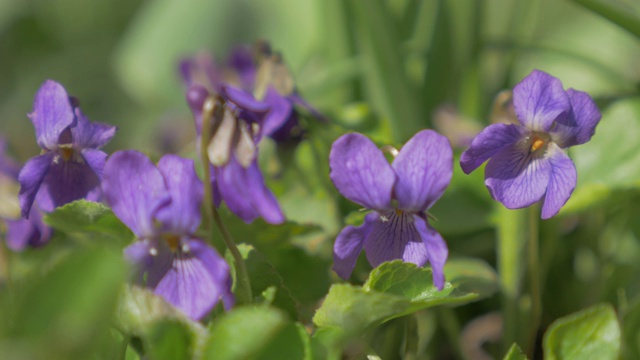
(512, 234)
(617, 12)
(533, 255)
(243, 284)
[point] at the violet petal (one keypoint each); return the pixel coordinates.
(263, 199)
(69, 180)
(182, 215)
(562, 181)
(579, 127)
(424, 167)
(31, 232)
(232, 190)
(279, 112)
(395, 237)
(437, 250)
(30, 178)
(135, 190)
(52, 114)
(243, 99)
(87, 134)
(196, 280)
(348, 246)
(360, 172)
(139, 255)
(246, 194)
(516, 178)
(539, 100)
(493, 139)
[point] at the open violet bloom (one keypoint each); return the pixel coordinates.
(399, 194)
(233, 116)
(161, 205)
(20, 233)
(527, 160)
(70, 165)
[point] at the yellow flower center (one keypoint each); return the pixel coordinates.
(66, 152)
(173, 241)
(536, 143)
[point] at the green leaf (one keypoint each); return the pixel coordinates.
(593, 333)
(88, 221)
(397, 288)
(515, 353)
(631, 332)
(291, 343)
(610, 161)
(66, 313)
(620, 13)
(169, 340)
(265, 280)
(162, 328)
(258, 332)
(139, 309)
(353, 310)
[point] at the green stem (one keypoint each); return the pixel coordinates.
(452, 330)
(242, 275)
(512, 232)
(534, 275)
(213, 109)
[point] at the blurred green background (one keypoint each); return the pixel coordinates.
(119, 57)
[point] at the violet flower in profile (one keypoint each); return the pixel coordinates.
(527, 160)
(70, 165)
(20, 233)
(399, 194)
(264, 75)
(236, 179)
(161, 205)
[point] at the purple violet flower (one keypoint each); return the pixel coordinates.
(399, 194)
(161, 205)
(70, 166)
(527, 161)
(263, 74)
(21, 233)
(235, 175)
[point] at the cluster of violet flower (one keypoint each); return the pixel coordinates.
(235, 105)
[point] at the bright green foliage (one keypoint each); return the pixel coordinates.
(631, 332)
(255, 333)
(593, 333)
(139, 309)
(169, 340)
(266, 282)
(515, 353)
(64, 314)
(88, 221)
(396, 288)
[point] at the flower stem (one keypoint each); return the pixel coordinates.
(534, 275)
(210, 109)
(517, 233)
(242, 275)
(512, 232)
